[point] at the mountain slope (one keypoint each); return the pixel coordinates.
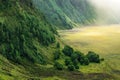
(21, 26)
(66, 13)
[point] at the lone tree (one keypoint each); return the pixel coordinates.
(93, 57)
(68, 51)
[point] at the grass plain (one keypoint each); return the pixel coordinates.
(104, 40)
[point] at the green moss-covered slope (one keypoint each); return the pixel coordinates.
(66, 13)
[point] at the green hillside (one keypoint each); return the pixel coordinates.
(66, 13)
(30, 47)
(25, 39)
(21, 26)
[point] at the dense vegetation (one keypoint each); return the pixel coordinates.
(75, 58)
(20, 25)
(66, 13)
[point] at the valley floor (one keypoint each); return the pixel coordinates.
(104, 40)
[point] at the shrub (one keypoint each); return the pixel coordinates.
(81, 57)
(68, 51)
(58, 66)
(75, 62)
(71, 68)
(93, 57)
(86, 61)
(57, 54)
(76, 67)
(74, 56)
(68, 62)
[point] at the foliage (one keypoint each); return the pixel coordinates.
(21, 25)
(86, 61)
(80, 57)
(75, 62)
(76, 66)
(75, 55)
(71, 67)
(67, 50)
(58, 66)
(68, 61)
(64, 13)
(93, 57)
(57, 54)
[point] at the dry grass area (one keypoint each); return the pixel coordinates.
(104, 40)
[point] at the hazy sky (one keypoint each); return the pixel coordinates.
(108, 9)
(107, 4)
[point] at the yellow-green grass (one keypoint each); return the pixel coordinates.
(53, 78)
(104, 40)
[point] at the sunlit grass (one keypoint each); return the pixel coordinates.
(53, 78)
(100, 39)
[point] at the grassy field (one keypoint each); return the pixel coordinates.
(104, 40)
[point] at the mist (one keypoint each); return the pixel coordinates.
(108, 11)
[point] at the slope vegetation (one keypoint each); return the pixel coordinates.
(21, 26)
(66, 13)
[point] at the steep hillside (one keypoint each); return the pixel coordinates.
(21, 27)
(66, 13)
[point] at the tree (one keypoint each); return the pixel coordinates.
(76, 67)
(74, 56)
(71, 67)
(93, 57)
(68, 62)
(86, 61)
(75, 62)
(68, 51)
(81, 57)
(58, 66)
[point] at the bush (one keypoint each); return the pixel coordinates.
(81, 57)
(76, 67)
(68, 51)
(71, 68)
(58, 45)
(75, 62)
(58, 66)
(68, 62)
(93, 57)
(86, 61)
(57, 54)
(74, 56)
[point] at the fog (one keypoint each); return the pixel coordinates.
(108, 11)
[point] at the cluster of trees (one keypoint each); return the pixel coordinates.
(18, 32)
(76, 58)
(16, 42)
